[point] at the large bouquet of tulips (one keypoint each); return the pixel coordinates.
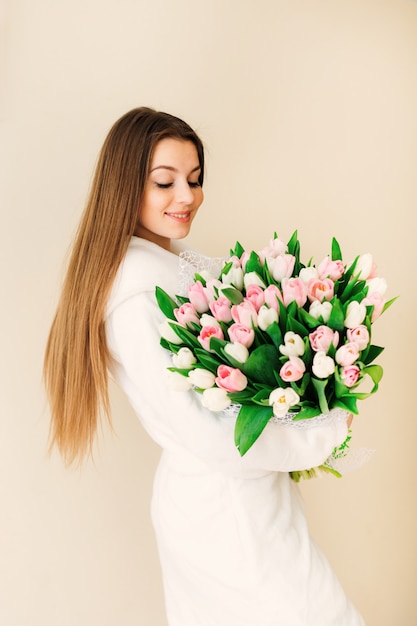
(276, 337)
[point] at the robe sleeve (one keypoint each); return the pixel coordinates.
(177, 421)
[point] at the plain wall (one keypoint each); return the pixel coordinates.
(308, 112)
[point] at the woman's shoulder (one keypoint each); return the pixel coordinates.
(144, 266)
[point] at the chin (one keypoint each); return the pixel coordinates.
(181, 233)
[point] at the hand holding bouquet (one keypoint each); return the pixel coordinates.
(276, 337)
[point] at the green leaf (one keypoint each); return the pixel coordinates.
(337, 316)
(217, 345)
(336, 251)
(234, 295)
(208, 361)
(301, 389)
(261, 337)
(261, 364)
(275, 333)
(165, 303)
(340, 389)
(201, 279)
(375, 372)
(249, 425)
(292, 309)
(282, 317)
(371, 353)
(320, 386)
(292, 244)
(343, 282)
(388, 304)
(296, 327)
(262, 396)
(269, 279)
(242, 397)
(226, 269)
(254, 264)
(182, 371)
(172, 347)
(347, 403)
(307, 319)
(238, 250)
(294, 248)
(182, 299)
(307, 412)
(186, 336)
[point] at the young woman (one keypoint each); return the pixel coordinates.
(231, 532)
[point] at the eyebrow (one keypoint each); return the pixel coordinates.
(173, 169)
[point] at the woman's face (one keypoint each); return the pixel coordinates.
(172, 193)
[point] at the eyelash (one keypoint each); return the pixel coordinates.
(168, 185)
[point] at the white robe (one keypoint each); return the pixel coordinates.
(231, 532)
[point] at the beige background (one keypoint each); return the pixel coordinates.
(308, 111)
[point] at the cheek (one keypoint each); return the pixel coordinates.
(198, 198)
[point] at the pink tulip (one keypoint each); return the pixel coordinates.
(241, 334)
(207, 332)
(255, 294)
(220, 309)
(347, 354)
(377, 301)
(212, 288)
(244, 259)
(293, 369)
(350, 375)
(276, 248)
(294, 290)
(230, 378)
(330, 269)
(187, 315)
(245, 313)
(322, 338)
(359, 335)
(320, 290)
(281, 266)
(235, 260)
(272, 294)
(198, 297)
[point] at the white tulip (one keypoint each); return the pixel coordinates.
(233, 277)
(355, 314)
(209, 320)
(281, 266)
(178, 382)
(282, 399)
(323, 365)
(184, 359)
(252, 278)
(201, 378)
(378, 285)
(215, 399)
(168, 333)
(307, 273)
(321, 309)
(266, 317)
(364, 266)
(237, 351)
(293, 345)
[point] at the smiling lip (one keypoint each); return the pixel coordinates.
(183, 217)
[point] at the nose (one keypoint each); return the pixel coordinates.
(184, 193)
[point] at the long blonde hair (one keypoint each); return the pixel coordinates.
(76, 356)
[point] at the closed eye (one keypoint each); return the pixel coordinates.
(193, 185)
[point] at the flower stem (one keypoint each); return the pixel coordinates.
(312, 473)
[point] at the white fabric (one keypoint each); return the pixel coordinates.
(231, 532)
